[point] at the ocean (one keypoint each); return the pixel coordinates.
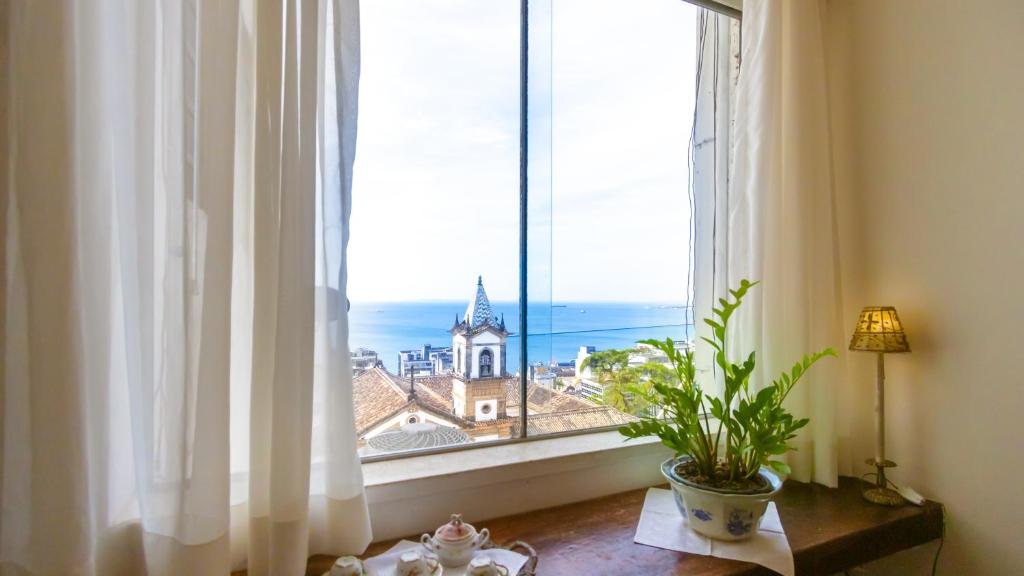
(555, 332)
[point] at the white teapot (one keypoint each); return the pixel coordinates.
(455, 542)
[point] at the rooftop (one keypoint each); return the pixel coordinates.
(417, 436)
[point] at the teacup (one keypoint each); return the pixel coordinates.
(347, 566)
(485, 566)
(415, 563)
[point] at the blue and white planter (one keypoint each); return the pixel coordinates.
(720, 514)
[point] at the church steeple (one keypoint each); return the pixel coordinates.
(479, 312)
(479, 342)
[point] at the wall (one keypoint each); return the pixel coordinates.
(413, 495)
(927, 103)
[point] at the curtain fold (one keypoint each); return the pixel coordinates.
(280, 413)
(343, 507)
(161, 326)
(781, 224)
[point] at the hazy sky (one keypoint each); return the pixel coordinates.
(436, 190)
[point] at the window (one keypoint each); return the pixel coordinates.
(485, 364)
(438, 254)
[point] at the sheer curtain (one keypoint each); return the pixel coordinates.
(174, 348)
(773, 219)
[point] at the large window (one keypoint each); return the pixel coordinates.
(437, 252)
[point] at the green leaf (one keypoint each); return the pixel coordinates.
(780, 467)
(756, 425)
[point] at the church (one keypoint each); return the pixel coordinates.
(476, 400)
(478, 342)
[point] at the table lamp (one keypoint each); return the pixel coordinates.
(879, 330)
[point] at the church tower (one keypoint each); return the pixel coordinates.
(478, 360)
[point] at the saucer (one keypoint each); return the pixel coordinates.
(393, 571)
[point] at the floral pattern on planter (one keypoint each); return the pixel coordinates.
(740, 522)
(704, 515)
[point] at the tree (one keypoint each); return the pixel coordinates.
(626, 388)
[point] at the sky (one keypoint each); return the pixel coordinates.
(436, 180)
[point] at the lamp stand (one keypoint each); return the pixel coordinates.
(881, 493)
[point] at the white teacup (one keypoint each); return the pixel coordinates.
(347, 566)
(415, 563)
(485, 566)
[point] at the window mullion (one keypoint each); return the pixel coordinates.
(523, 148)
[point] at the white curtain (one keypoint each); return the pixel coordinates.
(781, 220)
(175, 390)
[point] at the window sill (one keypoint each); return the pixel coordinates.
(418, 493)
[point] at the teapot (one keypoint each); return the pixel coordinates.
(455, 542)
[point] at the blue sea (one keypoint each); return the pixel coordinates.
(555, 332)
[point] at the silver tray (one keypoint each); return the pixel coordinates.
(520, 547)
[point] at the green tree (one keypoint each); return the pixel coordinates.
(627, 388)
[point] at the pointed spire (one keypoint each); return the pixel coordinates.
(479, 312)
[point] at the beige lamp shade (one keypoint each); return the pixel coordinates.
(879, 330)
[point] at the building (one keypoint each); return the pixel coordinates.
(585, 351)
(426, 361)
(475, 400)
(479, 339)
(364, 359)
(542, 375)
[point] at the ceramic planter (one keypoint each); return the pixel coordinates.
(720, 514)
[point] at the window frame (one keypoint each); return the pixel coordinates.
(730, 8)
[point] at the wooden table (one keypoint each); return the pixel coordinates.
(829, 530)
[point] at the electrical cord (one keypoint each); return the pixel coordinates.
(942, 540)
(942, 537)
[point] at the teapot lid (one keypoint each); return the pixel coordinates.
(456, 529)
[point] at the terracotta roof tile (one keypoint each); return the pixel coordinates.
(378, 395)
(554, 422)
(375, 398)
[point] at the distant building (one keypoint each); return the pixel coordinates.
(644, 353)
(590, 388)
(580, 357)
(542, 375)
(364, 359)
(426, 361)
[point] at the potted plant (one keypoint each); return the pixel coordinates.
(725, 470)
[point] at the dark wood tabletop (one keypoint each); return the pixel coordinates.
(829, 530)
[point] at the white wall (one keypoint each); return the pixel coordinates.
(489, 341)
(408, 496)
(927, 101)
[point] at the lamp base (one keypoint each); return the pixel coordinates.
(883, 496)
(879, 491)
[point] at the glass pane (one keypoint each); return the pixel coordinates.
(621, 86)
(539, 213)
(433, 255)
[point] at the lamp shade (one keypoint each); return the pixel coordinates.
(879, 330)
